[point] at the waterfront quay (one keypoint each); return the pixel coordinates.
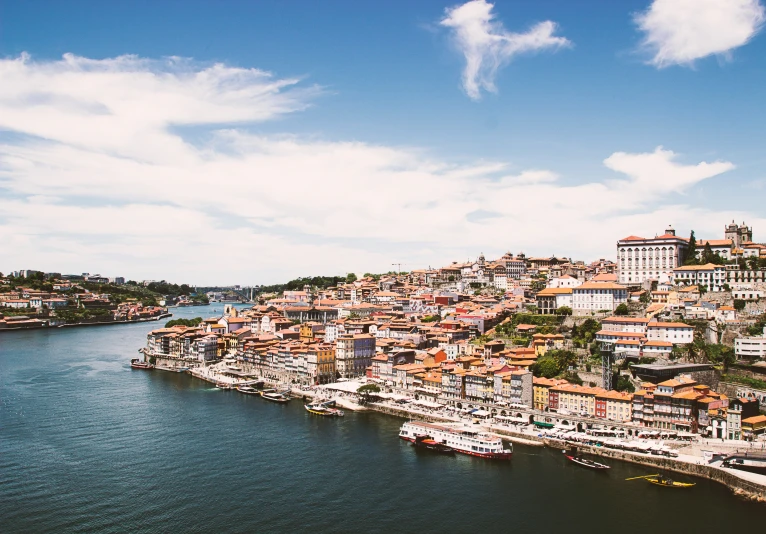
(685, 454)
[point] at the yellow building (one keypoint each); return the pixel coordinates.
(542, 343)
(540, 391)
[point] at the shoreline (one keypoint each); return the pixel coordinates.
(98, 323)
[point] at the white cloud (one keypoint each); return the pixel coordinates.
(487, 45)
(102, 186)
(678, 32)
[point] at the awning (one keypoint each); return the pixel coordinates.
(428, 404)
(480, 413)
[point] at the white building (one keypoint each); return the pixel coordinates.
(712, 276)
(676, 333)
(596, 296)
(751, 347)
(564, 281)
(640, 259)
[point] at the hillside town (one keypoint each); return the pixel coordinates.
(669, 337)
(34, 299)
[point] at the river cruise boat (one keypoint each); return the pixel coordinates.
(248, 390)
(135, 363)
(325, 409)
(274, 396)
(462, 439)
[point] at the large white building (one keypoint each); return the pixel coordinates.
(640, 259)
(597, 296)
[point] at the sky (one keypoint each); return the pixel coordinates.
(254, 142)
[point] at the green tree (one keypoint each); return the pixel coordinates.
(564, 359)
(739, 304)
(368, 388)
(564, 310)
(350, 277)
(184, 322)
(622, 309)
(545, 367)
(691, 253)
(645, 298)
(623, 383)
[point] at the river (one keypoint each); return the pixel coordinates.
(89, 445)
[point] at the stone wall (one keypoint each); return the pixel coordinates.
(739, 486)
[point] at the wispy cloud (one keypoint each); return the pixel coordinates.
(487, 45)
(110, 185)
(679, 32)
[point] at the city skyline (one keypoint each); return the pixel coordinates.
(260, 143)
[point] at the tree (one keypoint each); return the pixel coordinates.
(624, 384)
(564, 310)
(645, 298)
(545, 367)
(368, 388)
(350, 278)
(753, 263)
(451, 278)
(691, 257)
(622, 309)
(564, 359)
(739, 304)
(184, 322)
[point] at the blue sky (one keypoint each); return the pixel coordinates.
(377, 84)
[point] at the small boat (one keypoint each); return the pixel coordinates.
(669, 483)
(571, 455)
(274, 396)
(323, 409)
(225, 385)
(135, 363)
(428, 443)
(248, 390)
(659, 480)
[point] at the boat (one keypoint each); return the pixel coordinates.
(274, 396)
(428, 443)
(224, 385)
(669, 483)
(248, 390)
(325, 409)
(461, 438)
(571, 455)
(659, 480)
(135, 363)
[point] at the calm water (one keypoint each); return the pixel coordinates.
(87, 444)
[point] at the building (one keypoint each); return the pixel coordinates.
(614, 405)
(354, 353)
(738, 235)
(640, 259)
(712, 276)
(751, 348)
(740, 409)
(676, 333)
(551, 299)
(593, 297)
(521, 388)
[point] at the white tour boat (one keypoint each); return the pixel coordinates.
(462, 439)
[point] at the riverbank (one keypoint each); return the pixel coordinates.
(72, 325)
